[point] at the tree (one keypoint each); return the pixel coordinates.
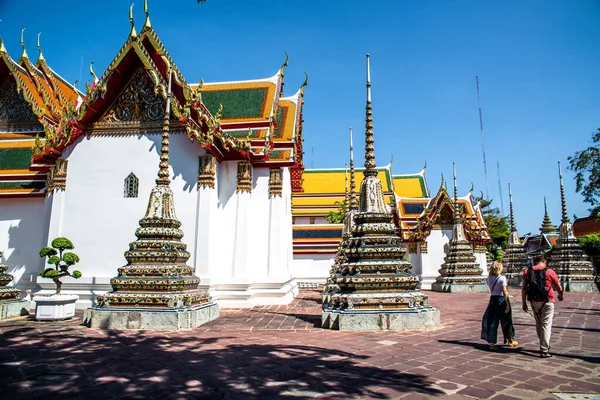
(338, 216)
(496, 223)
(62, 261)
(586, 165)
(591, 244)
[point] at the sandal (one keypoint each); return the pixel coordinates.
(513, 343)
(545, 355)
(493, 347)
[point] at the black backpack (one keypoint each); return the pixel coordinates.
(536, 285)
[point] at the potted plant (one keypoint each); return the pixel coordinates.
(57, 306)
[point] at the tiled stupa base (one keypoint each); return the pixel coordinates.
(381, 320)
(13, 308)
(459, 288)
(160, 319)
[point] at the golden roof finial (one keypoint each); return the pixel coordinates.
(2, 48)
(41, 56)
(147, 24)
(425, 166)
(133, 33)
(305, 84)
(24, 55)
(285, 64)
(92, 72)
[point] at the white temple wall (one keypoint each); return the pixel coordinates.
(481, 258)
(312, 269)
(23, 232)
(258, 226)
(96, 216)
(434, 258)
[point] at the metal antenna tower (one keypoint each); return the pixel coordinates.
(487, 193)
(500, 188)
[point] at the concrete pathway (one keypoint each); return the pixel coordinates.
(279, 352)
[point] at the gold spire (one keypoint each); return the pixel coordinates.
(513, 227)
(347, 197)
(24, 54)
(456, 213)
(163, 170)
(133, 33)
(305, 84)
(563, 202)
(41, 56)
(353, 199)
(370, 166)
(147, 24)
(2, 48)
(443, 183)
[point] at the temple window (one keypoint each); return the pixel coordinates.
(131, 186)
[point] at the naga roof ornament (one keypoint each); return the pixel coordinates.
(41, 56)
(304, 84)
(147, 23)
(132, 33)
(24, 54)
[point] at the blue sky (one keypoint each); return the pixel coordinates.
(537, 63)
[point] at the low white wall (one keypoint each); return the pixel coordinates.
(309, 269)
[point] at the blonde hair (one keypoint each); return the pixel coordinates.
(495, 268)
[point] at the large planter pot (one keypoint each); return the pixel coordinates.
(55, 307)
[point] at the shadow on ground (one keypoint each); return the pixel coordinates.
(84, 363)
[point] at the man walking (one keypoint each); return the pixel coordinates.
(539, 283)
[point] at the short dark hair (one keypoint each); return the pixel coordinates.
(539, 259)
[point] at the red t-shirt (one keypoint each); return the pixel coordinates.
(551, 280)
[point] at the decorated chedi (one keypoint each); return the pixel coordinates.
(377, 290)
(568, 259)
(156, 289)
(351, 207)
(514, 260)
(548, 228)
(460, 272)
(10, 305)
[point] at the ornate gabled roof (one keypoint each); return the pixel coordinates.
(418, 216)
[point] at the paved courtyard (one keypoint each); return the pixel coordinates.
(279, 352)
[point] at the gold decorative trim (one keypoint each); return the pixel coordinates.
(207, 170)
(244, 177)
(412, 248)
(57, 176)
(423, 247)
(275, 182)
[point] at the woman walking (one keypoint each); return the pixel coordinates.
(498, 311)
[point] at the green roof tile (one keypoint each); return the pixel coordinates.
(22, 185)
(246, 103)
(15, 158)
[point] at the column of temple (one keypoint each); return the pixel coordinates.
(207, 207)
(514, 260)
(460, 272)
(377, 290)
(156, 289)
(242, 198)
(568, 259)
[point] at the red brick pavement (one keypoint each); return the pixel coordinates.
(279, 352)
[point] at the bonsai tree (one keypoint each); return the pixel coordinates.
(61, 261)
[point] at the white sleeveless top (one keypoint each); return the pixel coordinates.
(491, 280)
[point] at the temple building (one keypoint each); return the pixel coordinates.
(236, 158)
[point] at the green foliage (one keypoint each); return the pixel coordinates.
(49, 273)
(591, 244)
(47, 251)
(494, 251)
(61, 260)
(62, 243)
(496, 223)
(70, 258)
(586, 165)
(338, 216)
(54, 260)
